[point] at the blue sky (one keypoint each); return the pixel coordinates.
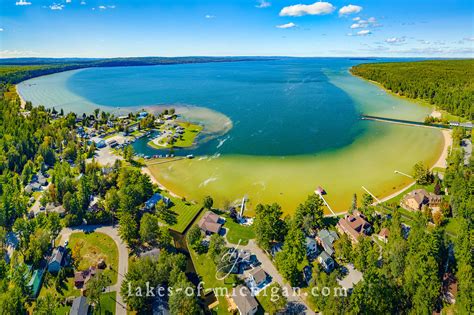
(111, 28)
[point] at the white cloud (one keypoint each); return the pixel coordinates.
(470, 39)
(395, 40)
(350, 9)
(263, 4)
(22, 2)
(356, 19)
(68, 1)
(83, 3)
(56, 7)
(359, 25)
(209, 16)
(364, 33)
(287, 25)
(1, 29)
(17, 53)
(372, 20)
(317, 8)
(111, 6)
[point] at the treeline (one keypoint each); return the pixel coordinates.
(15, 70)
(445, 83)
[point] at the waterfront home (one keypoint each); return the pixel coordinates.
(150, 203)
(258, 279)
(210, 223)
(311, 246)
(354, 225)
(383, 235)
(326, 240)
(79, 306)
(326, 261)
(418, 198)
(243, 301)
(56, 261)
(82, 277)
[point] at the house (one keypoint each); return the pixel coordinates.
(153, 254)
(258, 278)
(326, 240)
(326, 261)
(383, 235)
(311, 246)
(142, 115)
(35, 282)
(418, 198)
(94, 205)
(57, 259)
(354, 225)
(352, 277)
(59, 209)
(82, 277)
(276, 248)
(210, 223)
(79, 306)
(244, 301)
(150, 203)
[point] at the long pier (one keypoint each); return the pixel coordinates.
(405, 122)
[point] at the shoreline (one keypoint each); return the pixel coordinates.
(22, 100)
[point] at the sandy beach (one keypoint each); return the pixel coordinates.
(22, 101)
(146, 171)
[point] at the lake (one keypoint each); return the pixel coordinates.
(296, 125)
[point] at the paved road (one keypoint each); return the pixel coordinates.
(270, 269)
(120, 307)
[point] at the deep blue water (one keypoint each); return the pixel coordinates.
(279, 107)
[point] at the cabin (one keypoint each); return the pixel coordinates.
(383, 235)
(354, 225)
(210, 223)
(56, 261)
(243, 300)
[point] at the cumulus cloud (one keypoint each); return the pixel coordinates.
(317, 8)
(356, 19)
(83, 3)
(263, 4)
(363, 33)
(209, 16)
(349, 9)
(287, 25)
(364, 23)
(395, 40)
(68, 1)
(56, 7)
(22, 2)
(1, 29)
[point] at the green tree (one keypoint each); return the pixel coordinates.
(292, 254)
(208, 202)
(422, 174)
(181, 303)
(268, 225)
(309, 214)
(46, 305)
(149, 228)
(95, 287)
(128, 228)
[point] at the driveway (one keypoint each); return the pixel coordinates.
(120, 307)
(270, 269)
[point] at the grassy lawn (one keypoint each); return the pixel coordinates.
(452, 227)
(236, 232)
(65, 291)
(110, 136)
(96, 246)
(206, 270)
(181, 214)
(186, 140)
(107, 304)
(265, 300)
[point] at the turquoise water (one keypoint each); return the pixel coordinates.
(278, 108)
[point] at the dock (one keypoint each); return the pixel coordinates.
(320, 193)
(405, 122)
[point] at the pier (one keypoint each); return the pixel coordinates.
(405, 122)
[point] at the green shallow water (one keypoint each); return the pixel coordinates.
(295, 126)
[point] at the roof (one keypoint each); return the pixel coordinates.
(258, 274)
(150, 203)
(153, 253)
(353, 224)
(209, 222)
(327, 238)
(384, 232)
(84, 276)
(421, 196)
(243, 299)
(57, 256)
(325, 257)
(79, 306)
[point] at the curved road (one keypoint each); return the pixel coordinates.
(120, 307)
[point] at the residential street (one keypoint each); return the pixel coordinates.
(120, 307)
(270, 269)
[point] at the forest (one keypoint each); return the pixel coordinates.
(447, 84)
(15, 70)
